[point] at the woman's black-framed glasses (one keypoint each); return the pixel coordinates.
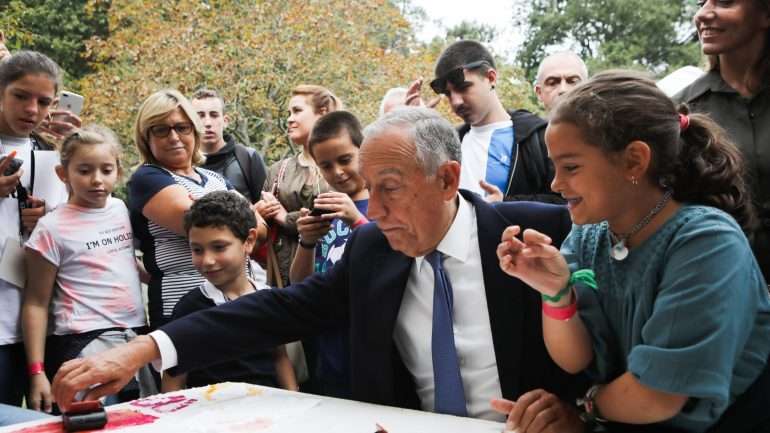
(455, 77)
(163, 131)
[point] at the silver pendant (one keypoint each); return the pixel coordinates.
(619, 251)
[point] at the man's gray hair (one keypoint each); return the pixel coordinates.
(434, 138)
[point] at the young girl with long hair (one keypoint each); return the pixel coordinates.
(674, 314)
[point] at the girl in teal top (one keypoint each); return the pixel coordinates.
(675, 324)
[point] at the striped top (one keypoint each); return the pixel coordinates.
(167, 256)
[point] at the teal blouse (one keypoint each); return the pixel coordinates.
(687, 312)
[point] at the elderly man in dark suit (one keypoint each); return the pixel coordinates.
(434, 323)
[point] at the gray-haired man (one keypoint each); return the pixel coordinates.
(424, 280)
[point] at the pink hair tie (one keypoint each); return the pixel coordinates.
(684, 122)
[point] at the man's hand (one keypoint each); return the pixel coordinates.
(493, 192)
(102, 374)
(539, 411)
(414, 99)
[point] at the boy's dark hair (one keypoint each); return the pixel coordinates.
(462, 53)
(222, 209)
(699, 162)
(331, 126)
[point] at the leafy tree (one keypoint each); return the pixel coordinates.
(655, 35)
(253, 52)
(58, 28)
(471, 30)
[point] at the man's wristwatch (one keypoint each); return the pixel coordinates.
(590, 413)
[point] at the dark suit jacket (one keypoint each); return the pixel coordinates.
(364, 290)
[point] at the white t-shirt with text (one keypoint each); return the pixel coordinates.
(97, 283)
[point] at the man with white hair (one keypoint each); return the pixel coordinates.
(434, 323)
(557, 74)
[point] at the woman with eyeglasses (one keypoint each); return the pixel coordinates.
(735, 36)
(168, 137)
(294, 182)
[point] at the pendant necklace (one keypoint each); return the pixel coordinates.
(619, 250)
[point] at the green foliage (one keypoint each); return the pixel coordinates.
(473, 31)
(58, 28)
(254, 53)
(654, 35)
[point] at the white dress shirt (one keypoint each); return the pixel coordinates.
(412, 334)
(472, 331)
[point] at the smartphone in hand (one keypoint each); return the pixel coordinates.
(71, 102)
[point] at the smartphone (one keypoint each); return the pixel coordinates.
(318, 211)
(71, 102)
(13, 167)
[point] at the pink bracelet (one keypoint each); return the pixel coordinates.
(561, 313)
(35, 368)
(361, 221)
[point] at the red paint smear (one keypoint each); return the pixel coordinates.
(165, 404)
(115, 420)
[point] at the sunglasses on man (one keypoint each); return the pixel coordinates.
(455, 77)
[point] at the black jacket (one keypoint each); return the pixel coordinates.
(533, 172)
(242, 166)
(362, 293)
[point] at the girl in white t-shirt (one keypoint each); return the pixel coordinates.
(81, 266)
(29, 82)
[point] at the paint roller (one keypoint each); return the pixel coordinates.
(84, 415)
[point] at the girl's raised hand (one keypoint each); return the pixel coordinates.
(533, 260)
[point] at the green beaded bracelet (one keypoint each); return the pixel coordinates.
(584, 276)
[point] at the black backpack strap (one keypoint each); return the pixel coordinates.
(244, 160)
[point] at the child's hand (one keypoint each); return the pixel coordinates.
(34, 211)
(40, 397)
(312, 228)
(341, 204)
(534, 260)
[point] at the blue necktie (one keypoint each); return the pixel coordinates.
(449, 394)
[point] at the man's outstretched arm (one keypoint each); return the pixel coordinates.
(111, 370)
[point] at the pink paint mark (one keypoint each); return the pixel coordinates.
(165, 404)
(115, 420)
(250, 426)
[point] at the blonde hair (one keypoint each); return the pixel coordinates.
(320, 98)
(90, 135)
(152, 112)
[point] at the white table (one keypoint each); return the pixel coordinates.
(242, 408)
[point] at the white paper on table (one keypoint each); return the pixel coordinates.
(12, 263)
(47, 184)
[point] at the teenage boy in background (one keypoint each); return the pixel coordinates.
(239, 164)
